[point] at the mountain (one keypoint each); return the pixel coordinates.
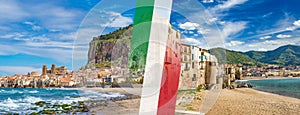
(284, 55)
(225, 56)
(112, 50)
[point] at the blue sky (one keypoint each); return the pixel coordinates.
(37, 32)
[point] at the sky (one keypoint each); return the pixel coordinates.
(37, 32)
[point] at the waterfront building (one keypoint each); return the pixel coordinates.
(233, 72)
(190, 67)
(198, 67)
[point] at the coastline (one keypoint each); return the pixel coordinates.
(236, 101)
(129, 105)
(251, 101)
(264, 78)
(125, 91)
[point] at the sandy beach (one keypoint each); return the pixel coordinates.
(245, 101)
(230, 102)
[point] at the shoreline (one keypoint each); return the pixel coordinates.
(264, 78)
(110, 104)
(273, 93)
(269, 89)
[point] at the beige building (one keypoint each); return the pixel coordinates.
(233, 72)
(198, 67)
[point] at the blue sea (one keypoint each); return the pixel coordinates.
(286, 86)
(14, 100)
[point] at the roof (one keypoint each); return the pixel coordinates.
(104, 73)
(10, 78)
(67, 79)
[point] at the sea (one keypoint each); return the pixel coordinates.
(283, 86)
(14, 100)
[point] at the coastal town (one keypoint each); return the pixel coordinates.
(164, 57)
(198, 67)
(200, 72)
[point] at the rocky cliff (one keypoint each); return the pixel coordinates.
(111, 49)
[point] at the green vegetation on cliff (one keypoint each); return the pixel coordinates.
(112, 49)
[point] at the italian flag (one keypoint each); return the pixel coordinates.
(150, 39)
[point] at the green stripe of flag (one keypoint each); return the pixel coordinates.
(141, 33)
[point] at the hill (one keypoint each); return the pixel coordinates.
(225, 56)
(284, 55)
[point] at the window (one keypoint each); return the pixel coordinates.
(194, 77)
(192, 56)
(193, 65)
(186, 66)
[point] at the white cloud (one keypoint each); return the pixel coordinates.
(265, 37)
(11, 11)
(207, 1)
(267, 44)
(50, 44)
(232, 28)
(117, 20)
(234, 43)
(292, 28)
(191, 41)
(295, 26)
(283, 36)
(7, 36)
(297, 23)
(189, 26)
(267, 15)
(14, 35)
(229, 4)
(33, 26)
(203, 31)
(212, 20)
(19, 69)
(28, 23)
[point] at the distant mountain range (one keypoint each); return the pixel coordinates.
(284, 55)
(116, 45)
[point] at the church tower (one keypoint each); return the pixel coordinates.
(44, 70)
(53, 69)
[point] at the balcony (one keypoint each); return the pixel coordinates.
(186, 69)
(186, 60)
(186, 51)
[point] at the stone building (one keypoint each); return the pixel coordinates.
(233, 72)
(211, 69)
(61, 70)
(197, 67)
